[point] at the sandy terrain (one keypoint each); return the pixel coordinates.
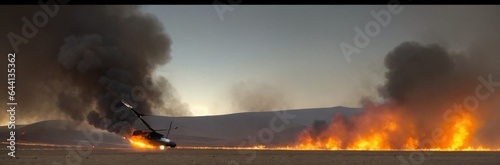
(223, 157)
(219, 130)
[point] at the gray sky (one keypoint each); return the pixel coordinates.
(296, 48)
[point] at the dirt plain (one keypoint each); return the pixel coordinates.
(179, 156)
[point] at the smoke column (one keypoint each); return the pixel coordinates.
(429, 89)
(65, 66)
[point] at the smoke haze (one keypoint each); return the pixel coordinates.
(250, 96)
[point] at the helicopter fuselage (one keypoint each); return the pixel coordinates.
(156, 138)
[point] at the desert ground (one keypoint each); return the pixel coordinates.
(233, 157)
(62, 139)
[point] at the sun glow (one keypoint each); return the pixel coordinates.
(200, 110)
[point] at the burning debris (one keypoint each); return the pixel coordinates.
(434, 99)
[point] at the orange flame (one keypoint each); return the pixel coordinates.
(140, 142)
(386, 129)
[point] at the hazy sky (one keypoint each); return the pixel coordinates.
(296, 49)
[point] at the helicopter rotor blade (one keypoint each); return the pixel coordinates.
(169, 128)
(166, 129)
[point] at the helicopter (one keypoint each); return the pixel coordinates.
(155, 138)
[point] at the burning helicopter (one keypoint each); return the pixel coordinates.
(151, 136)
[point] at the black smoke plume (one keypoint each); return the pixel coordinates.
(433, 86)
(66, 56)
(429, 80)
